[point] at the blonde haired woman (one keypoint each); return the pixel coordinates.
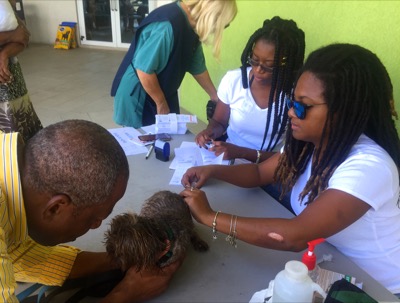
(167, 44)
(210, 18)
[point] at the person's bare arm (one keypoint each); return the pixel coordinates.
(329, 214)
(134, 287)
(12, 49)
(152, 87)
(89, 263)
(232, 151)
(19, 35)
(142, 286)
(7, 51)
(216, 125)
(11, 44)
(244, 175)
(205, 82)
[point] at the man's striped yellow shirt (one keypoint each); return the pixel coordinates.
(22, 259)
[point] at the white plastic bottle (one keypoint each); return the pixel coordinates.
(293, 284)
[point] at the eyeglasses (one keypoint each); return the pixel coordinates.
(299, 108)
(264, 68)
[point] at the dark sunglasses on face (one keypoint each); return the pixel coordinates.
(264, 68)
(298, 107)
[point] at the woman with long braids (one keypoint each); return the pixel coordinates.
(340, 160)
(251, 106)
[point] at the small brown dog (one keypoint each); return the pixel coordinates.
(159, 235)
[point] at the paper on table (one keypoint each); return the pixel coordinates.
(189, 155)
(209, 158)
(127, 138)
(178, 174)
(150, 129)
(186, 153)
(173, 123)
(189, 152)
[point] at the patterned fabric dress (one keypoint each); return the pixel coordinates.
(16, 109)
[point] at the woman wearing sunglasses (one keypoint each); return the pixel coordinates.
(341, 161)
(251, 107)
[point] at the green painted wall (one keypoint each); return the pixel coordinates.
(371, 24)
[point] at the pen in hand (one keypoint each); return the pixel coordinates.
(149, 152)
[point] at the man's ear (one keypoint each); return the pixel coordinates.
(58, 205)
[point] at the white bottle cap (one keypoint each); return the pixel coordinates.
(296, 270)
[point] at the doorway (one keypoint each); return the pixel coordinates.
(110, 23)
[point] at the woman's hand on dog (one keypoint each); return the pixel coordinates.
(143, 285)
(199, 206)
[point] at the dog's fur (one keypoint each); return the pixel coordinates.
(159, 235)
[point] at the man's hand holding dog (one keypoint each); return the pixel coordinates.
(143, 285)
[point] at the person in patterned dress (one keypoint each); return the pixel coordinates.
(16, 109)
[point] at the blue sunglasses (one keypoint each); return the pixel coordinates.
(298, 107)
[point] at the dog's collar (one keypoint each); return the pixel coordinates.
(169, 254)
(170, 234)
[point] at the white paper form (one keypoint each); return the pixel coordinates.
(173, 123)
(149, 129)
(127, 137)
(178, 174)
(189, 155)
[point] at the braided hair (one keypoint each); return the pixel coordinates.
(359, 95)
(289, 55)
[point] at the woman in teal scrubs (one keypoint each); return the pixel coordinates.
(166, 46)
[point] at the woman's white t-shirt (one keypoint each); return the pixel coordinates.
(373, 241)
(247, 120)
(8, 21)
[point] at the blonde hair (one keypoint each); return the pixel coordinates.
(211, 17)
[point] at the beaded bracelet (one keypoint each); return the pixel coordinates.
(214, 226)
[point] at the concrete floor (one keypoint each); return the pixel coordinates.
(73, 84)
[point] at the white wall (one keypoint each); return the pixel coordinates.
(43, 17)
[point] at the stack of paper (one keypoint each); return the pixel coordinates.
(189, 155)
(127, 137)
(173, 123)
